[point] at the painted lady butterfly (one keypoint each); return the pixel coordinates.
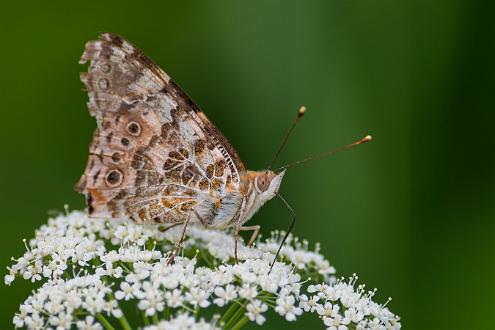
(155, 156)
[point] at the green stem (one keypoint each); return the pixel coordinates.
(229, 312)
(155, 319)
(238, 314)
(149, 245)
(242, 322)
(145, 318)
(187, 309)
(205, 258)
(166, 313)
(124, 266)
(124, 323)
(104, 322)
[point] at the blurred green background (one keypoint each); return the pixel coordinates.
(411, 213)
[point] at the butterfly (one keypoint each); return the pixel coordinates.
(155, 157)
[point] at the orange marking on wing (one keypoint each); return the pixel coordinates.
(173, 202)
(98, 196)
(142, 214)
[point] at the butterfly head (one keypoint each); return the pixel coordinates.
(267, 183)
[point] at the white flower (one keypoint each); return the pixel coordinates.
(19, 319)
(32, 272)
(9, 279)
(88, 323)
(62, 321)
(354, 314)
(255, 310)
(109, 270)
(35, 322)
(330, 314)
(225, 295)
(248, 292)
(174, 299)
(132, 234)
(336, 322)
(327, 310)
(150, 299)
(55, 268)
(112, 308)
(198, 297)
(126, 291)
(285, 307)
(308, 304)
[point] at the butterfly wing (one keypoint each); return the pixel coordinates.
(154, 156)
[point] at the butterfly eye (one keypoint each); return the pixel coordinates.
(262, 183)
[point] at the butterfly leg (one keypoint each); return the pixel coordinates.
(236, 238)
(254, 229)
(164, 229)
(179, 243)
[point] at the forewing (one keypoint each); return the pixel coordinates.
(154, 155)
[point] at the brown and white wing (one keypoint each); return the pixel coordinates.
(154, 156)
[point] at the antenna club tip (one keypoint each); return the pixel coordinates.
(302, 111)
(367, 138)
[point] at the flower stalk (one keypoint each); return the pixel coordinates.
(124, 323)
(104, 322)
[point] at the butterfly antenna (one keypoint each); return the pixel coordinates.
(286, 233)
(367, 138)
(300, 113)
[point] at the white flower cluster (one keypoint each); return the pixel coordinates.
(57, 300)
(97, 270)
(358, 308)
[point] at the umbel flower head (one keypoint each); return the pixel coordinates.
(101, 273)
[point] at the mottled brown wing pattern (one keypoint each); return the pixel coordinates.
(154, 155)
